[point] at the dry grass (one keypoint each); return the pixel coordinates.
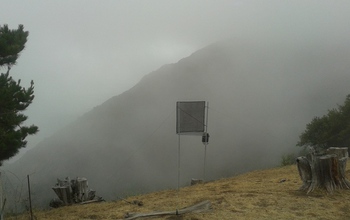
(255, 195)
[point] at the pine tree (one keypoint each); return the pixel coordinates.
(14, 98)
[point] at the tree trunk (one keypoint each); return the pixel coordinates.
(324, 171)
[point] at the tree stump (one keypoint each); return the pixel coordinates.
(75, 191)
(324, 171)
(304, 172)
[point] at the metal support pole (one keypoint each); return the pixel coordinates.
(205, 144)
(178, 166)
(178, 174)
(206, 122)
(30, 200)
(205, 158)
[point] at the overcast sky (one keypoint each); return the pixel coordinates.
(81, 53)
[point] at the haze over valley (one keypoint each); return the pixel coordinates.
(260, 99)
(264, 80)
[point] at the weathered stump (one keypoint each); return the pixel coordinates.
(339, 151)
(75, 191)
(324, 171)
(328, 172)
(304, 172)
(63, 190)
(80, 189)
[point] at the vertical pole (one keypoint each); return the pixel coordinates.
(1, 199)
(30, 200)
(206, 121)
(178, 165)
(178, 174)
(205, 156)
(178, 154)
(205, 144)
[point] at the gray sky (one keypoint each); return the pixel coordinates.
(81, 53)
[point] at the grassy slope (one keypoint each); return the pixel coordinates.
(255, 195)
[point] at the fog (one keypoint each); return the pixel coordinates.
(80, 53)
(108, 74)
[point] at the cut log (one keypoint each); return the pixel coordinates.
(200, 207)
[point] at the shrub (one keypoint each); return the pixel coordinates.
(287, 159)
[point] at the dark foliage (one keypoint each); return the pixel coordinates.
(12, 42)
(329, 130)
(14, 99)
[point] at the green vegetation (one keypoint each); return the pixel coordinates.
(287, 159)
(330, 130)
(14, 99)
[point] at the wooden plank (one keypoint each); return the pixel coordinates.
(199, 207)
(91, 201)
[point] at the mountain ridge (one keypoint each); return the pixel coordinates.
(260, 98)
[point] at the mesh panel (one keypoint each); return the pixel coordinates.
(190, 117)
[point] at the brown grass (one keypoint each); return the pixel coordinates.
(255, 195)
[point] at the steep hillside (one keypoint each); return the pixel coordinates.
(260, 94)
(261, 194)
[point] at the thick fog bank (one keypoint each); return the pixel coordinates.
(260, 94)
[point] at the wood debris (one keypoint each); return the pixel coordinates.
(199, 207)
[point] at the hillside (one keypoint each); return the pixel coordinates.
(255, 195)
(261, 95)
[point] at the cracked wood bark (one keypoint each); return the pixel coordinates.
(342, 157)
(324, 171)
(328, 172)
(304, 172)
